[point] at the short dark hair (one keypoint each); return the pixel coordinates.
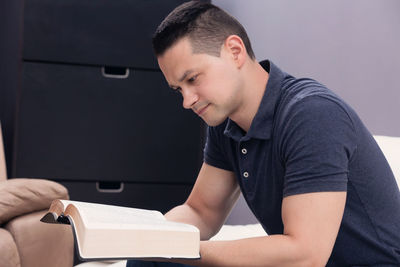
(206, 25)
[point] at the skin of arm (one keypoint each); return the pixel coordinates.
(212, 198)
(311, 223)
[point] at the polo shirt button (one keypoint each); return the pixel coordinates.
(244, 151)
(245, 174)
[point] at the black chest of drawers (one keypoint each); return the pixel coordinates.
(93, 110)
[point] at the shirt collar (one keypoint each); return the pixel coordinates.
(261, 126)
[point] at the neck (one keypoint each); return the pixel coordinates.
(254, 83)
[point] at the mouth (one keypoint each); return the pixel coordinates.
(201, 110)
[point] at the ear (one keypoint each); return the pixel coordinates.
(236, 49)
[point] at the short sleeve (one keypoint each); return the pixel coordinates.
(214, 150)
(318, 143)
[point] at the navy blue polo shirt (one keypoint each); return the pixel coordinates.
(305, 139)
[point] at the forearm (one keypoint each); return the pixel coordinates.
(187, 214)
(275, 250)
(212, 197)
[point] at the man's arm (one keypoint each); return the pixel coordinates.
(311, 223)
(212, 198)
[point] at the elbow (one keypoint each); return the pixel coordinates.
(308, 261)
(312, 259)
(210, 232)
(314, 262)
(310, 256)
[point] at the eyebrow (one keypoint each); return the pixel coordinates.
(185, 74)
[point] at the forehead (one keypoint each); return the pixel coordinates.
(178, 59)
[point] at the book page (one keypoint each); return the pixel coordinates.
(108, 216)
(116, 210)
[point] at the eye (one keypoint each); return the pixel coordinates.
(192, 79)
(176, 89)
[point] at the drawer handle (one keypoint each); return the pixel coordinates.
(109, 187)
(115, 72)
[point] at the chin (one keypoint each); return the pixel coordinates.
(214, 122)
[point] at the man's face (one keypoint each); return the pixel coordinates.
(209, 85)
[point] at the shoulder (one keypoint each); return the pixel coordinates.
(317, 114)
(307, 99)
(315, 119)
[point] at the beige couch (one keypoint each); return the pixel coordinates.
(24, 240)
(390, 147)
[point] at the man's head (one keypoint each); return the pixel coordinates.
(205, 54)
(205, 25)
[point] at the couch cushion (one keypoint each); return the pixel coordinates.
(9, 254)
(20, 196)
(390, 147)
(233, 232)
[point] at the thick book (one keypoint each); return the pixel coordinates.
(113, 232)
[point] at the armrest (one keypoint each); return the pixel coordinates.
(21, 196)
(41, 244)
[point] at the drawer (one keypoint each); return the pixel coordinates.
(101, 32)
(146, 196)
(76, 124)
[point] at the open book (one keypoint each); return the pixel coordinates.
(113, 232)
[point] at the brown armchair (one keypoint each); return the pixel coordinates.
(24, 240)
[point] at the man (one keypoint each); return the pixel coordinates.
(308, 168)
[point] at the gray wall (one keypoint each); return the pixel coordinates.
(353, 47)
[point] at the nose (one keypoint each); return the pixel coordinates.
(189, 98)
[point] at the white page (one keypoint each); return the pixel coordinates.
(108, 216)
